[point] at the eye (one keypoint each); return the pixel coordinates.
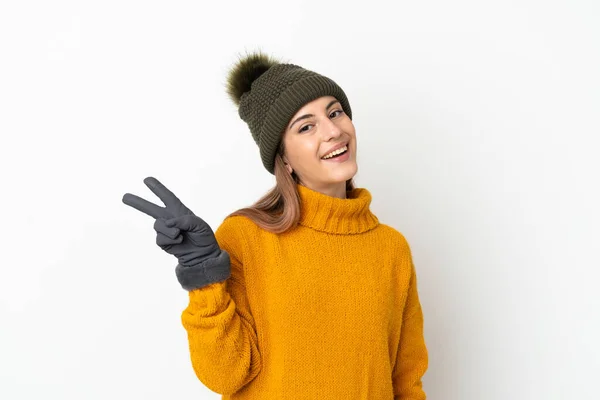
(307, 125)
(302, 129)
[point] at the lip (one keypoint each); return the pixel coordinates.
(339, 146)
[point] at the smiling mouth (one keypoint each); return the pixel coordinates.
(338, 154)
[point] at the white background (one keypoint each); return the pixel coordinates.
(477, 126)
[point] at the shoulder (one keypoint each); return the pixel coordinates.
(233, 227)
(231, 235)
(236, 230)
(399, 250)
(396, 243)
(234, 223)
(393, 235)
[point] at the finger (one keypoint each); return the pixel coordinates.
(167, 197)
(163, 240)
(159, 226)
(190, 223)
(145, 206)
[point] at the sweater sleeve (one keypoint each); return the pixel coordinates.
(221, 331)
(412, 356)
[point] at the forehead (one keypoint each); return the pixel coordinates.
(314, 106)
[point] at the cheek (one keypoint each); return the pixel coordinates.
(303, 151)
(349, 128)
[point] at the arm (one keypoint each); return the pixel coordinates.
(412, 356)
(221, 332)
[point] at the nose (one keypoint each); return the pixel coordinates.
(331, 130)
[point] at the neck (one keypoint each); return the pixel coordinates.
(348, 215)
(337, 190)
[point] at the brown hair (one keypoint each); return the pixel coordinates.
(279, 209)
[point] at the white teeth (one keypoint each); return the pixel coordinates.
(335, 152)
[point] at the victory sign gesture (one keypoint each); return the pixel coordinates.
(181, 233)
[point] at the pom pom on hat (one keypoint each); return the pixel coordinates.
(246, 71)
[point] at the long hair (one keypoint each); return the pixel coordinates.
(279, 209)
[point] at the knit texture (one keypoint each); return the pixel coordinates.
(328, 310)
(275, 97)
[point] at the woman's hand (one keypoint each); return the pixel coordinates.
(178, 230)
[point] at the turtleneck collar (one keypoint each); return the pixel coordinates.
(334, 215)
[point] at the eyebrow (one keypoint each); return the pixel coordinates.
(311, 115)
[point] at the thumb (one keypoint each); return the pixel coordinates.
(190, 223)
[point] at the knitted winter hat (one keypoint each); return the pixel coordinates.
(269, 93)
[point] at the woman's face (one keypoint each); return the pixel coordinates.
(314, 131)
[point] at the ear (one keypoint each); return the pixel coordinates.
(287, 165)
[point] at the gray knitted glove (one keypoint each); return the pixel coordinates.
(186, 236)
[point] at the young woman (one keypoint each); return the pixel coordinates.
(304, 295)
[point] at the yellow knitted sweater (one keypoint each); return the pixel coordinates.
(328, 310)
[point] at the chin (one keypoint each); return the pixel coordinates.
(344, 174)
